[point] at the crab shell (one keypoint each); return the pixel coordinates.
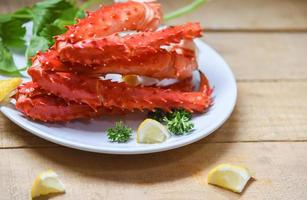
(40, 105)
(161, 65)
(66, 83)
(96, 92)
(114, 47)
(131, 15)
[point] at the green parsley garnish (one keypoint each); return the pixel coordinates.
(177, 122)
(120, 133)
(49, 18)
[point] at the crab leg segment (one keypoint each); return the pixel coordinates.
(160, 65)
(38, 105)
(96, 92)
(131, 15)
(114, 47)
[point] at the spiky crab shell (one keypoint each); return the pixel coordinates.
(160, 65)
(40, 105)
(131, 15)
(66, 79)
(114, 47)
(96, 92)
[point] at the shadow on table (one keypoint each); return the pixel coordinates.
(148, 168)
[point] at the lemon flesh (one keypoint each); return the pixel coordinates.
(229, 177)
(151, 131)
(7, 86)
(46, 183)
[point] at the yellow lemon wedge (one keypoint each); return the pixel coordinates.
(132, 80)
(7, 86)
(230, 177)
(45, 183)
(151, 131)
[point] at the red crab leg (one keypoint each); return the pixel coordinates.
(160, 65)
(115, 18)
(96, 92)
(114, 47)
(38, 105)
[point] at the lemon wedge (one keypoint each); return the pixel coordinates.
(151, 131)
(7, 86)
(229, 177)
(45, 183)
(132, 80)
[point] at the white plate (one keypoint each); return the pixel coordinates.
(91, 136)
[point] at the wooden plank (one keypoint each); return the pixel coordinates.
(228, 14)
(262, 56)
(7, 6)
(12, 135)
(280, 170)
(265, 111)
(246, 14)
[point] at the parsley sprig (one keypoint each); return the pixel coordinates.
(177, 122)
(120, 133)
(49, 18)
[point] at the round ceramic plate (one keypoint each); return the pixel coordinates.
(91, 135)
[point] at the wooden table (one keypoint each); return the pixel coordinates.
(265, 42)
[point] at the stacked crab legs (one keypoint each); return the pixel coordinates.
(67, 80)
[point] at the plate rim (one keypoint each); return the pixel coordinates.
(153, 148)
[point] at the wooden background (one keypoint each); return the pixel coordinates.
(265, 43)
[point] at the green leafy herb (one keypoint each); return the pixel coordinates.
(120, 133)
(37, 43)
(12, 37)
(58, 26)
(23, 14)
(48, 33)
(11, 29)
(178, 121)
(49, 18)
(46, 12)
(12, 33)
(7, 65)
(182, 11)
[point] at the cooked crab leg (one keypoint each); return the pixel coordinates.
(38, 105)
(114, 47)
(96, 92)
(118, 17)
(161, 65)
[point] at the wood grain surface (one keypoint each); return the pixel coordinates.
(265, 43)
(227, 15)
(279, 170)
(263, 56)
(250, 15)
